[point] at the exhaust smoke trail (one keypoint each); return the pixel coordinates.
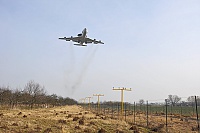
(84, 68)
(74, 75)
(70, 69)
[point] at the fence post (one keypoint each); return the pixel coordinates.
(112, 109)
(105, 106)
(108, 110)
(147, 115)
(181, 109)
(171, 112)
(166, 114)
(197, 113)
(125, 110)
(134, 112)
(96, 108)
(193, 107)
(118, 110)
(150, 109)
(100, 104)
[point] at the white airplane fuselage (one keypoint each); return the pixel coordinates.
(82, 39)
(83, 36)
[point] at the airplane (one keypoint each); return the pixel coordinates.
(81, 39)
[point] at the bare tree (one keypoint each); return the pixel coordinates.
(9, 97)
(17, 97)
(6, 95)
(34, 91)
(32, 94)
(174, 99)
(191, 100)
(141, 101)
(2, 89)
(54, 99)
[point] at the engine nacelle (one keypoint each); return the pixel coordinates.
(80, 44)
(95, 41)
(79, 35)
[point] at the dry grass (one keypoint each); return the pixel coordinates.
(157, 123)
(67, 119)
(73, 119)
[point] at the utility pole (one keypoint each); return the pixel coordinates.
(88, 101)
(122, 96)
(98, 95)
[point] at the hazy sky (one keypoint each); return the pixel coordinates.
(152, 47)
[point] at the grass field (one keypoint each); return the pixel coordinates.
(178, 119)
(76, 119)
(66, 119)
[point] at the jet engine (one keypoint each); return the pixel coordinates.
(79, 35)
(95, 42)
(79, 45)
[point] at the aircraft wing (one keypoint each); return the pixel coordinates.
(96, 42)
(66, 38)
(74, 39)
(88, 40)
